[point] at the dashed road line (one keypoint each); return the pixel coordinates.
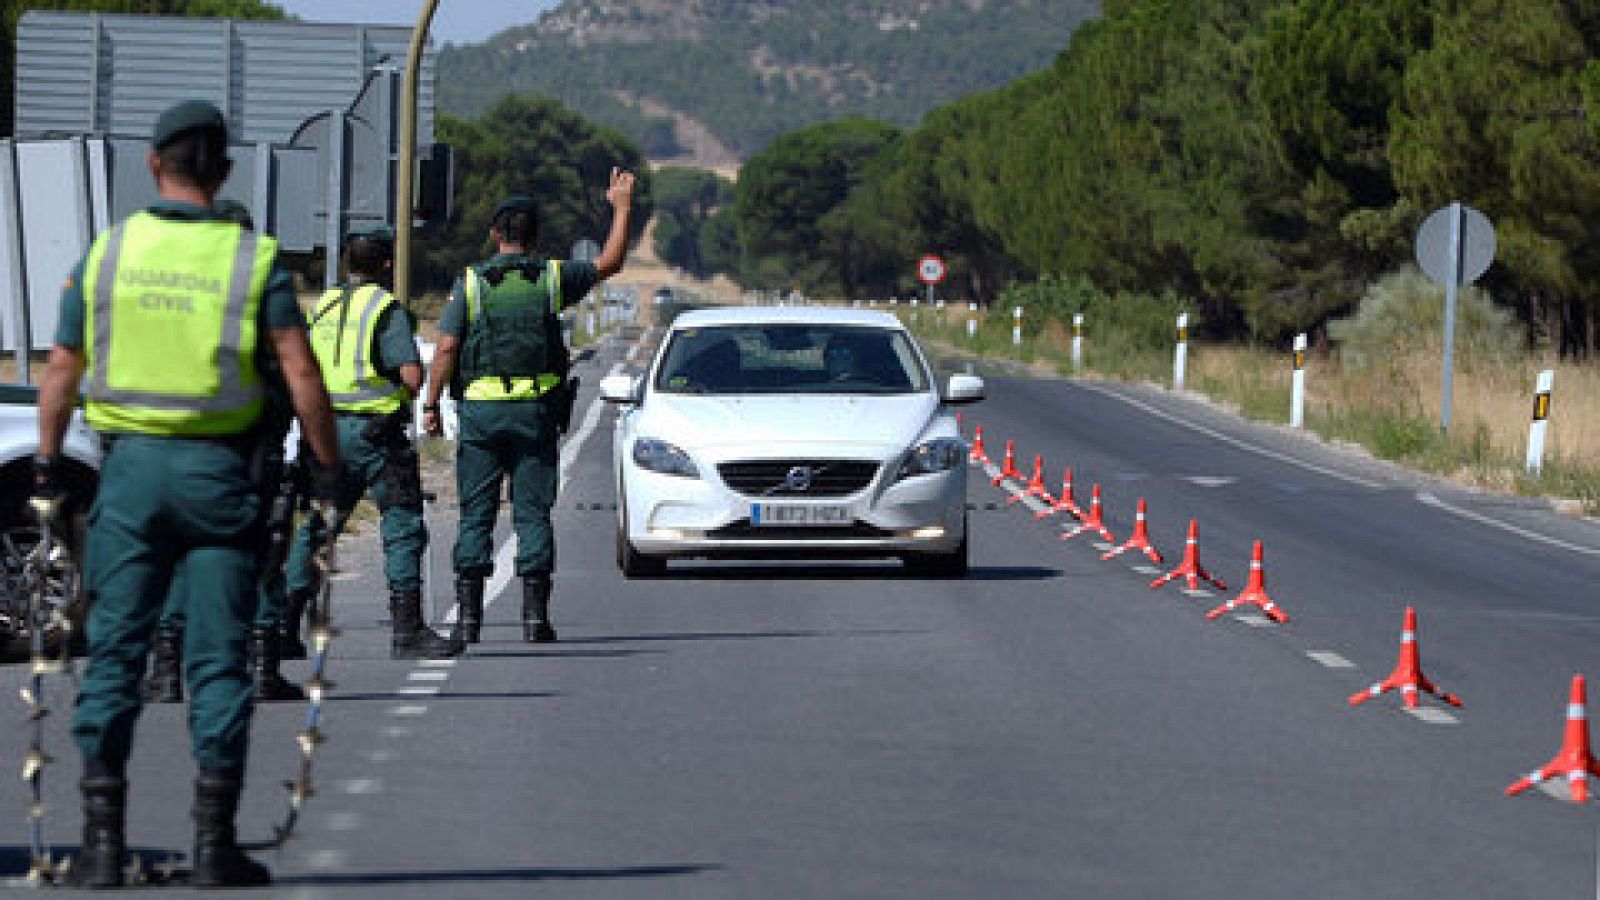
(344, 821)
(408, 710)
(1433, 716)
(361, 786)
(1329, 659)
(427, 675)
(417, 690)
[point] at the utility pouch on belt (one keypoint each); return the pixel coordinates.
(565, 398)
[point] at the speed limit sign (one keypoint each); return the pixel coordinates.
(930, 270)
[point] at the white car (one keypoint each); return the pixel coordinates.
(768, 432)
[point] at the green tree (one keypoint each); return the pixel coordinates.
(685, 199)
(12, 11)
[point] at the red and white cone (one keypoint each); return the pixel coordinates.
(1254, 593)
(977, 454)
(1407, 676)
(1190, 568)
(1008, 469)
(1091, 522)
(1139, 541)
(1035, 486)
(1064, 502)
(1574, 760)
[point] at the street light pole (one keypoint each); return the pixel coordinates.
(406, 177)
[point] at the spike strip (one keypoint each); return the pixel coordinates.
(1574, 760)
(1065, 502)
(977, 454)
(1407, 676)
(1140, 540)
(1190, 568)
(40, 616)
(1035, 486)
(1091, 522)
(308, 739)
(1254, 594)
(1009, 468)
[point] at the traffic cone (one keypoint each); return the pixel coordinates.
(1139, 541)
(1091, 522)
(1008, 469)
(1065, 502)
(1407, 675)
(1190, 568)
(977, 454)
(1574, 760)
(1254, 593)
(1035, 486)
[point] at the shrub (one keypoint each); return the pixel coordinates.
(1402, 314)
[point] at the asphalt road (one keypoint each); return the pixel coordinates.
(1048, 727)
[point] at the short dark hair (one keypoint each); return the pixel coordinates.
(516, 226)
(199, 156)
(365, 254)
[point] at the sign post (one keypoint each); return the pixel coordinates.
(930, 271)
(1455, 246)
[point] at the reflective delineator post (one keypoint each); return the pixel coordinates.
(1297, 395)
(1541, 421)
(1407, 676)
(1180, 356)
(1077, 341)
(972, 321)
(1574, 760)
(1016, 326)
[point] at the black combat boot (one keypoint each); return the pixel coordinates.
(411, 638)
(271, 687)
(290, 645)
(165, 684)
(536, 627)
(218, 861)
(99, 862)
(469, 608)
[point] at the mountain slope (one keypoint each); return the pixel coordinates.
(712, 81)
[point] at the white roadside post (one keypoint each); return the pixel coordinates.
(1541, 421)
(1077, 341)
(1016, 326)
(1180, 358)
(1297, 396)
(972, 321)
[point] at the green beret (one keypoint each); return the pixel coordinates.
(189, 115)
(514, 203)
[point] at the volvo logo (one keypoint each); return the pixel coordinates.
(798, 479)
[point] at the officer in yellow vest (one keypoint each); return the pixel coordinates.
(501, 324)
(169, 317)
(368, 354)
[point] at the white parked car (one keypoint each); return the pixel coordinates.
(767, 432)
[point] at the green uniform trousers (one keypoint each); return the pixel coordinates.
(389, 471)
(170, 508)
(500, 439)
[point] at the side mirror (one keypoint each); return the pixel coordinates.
(963, 389)
(619, 389)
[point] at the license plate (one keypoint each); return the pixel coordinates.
(770, 514)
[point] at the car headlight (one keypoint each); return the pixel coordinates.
(937, 455)
(659, 456)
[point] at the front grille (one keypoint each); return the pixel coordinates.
(742, 530)
(798, 477)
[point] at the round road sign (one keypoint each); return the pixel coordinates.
(1477, 244)
(930, 269)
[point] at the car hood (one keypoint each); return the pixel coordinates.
(702, 422)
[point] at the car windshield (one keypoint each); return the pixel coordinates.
(790, 359)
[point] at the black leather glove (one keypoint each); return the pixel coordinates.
(47, 474)
(327, 484)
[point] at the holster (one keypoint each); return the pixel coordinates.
(564, 399)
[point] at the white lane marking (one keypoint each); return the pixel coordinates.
(436, 663)
(1428, 499)
(504, 558)
(361, 786)
(344, 576)
(1103, 546)
(1433, 716)
(418, 690)
(1254, 620)
(407, 710)
(1147, 570)
(1229, 439)
(1556, 787)
(344, 821)
(381, 756)
(1035, 504)
(427, 675)
(1210, 481)
(1330, 659)
(1197, 592)
(326, 859)
(396, 731)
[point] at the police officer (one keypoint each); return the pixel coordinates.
(169, 316)
(501, 349)
(367, 349)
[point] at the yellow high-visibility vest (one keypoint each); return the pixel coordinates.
(344, 327)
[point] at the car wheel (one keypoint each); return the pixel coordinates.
(633, 563)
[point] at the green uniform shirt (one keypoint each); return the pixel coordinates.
(279, 308)
(576, 280)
